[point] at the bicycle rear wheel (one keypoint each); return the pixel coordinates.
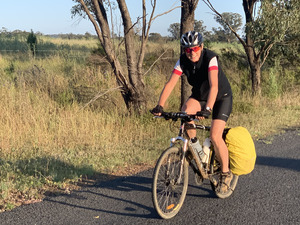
(216, 171)
(170, 182)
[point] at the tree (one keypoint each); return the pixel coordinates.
(234, 20)
(218, 35)
(131, 83)
(174, 29)
(198, 26)
(265, 27)
(187, 23)
(287, 52)
(32, 42)
(155, 37)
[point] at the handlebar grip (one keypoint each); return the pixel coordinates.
(204, 114)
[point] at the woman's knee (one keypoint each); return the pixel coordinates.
(215, 138)
(191, 106)
(216, 132)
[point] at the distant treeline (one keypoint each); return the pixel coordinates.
(16, 41)
(19, 33)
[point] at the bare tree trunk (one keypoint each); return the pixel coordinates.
(256, 76)
(137, 100)
(255, 70)
(133, 91)
(132, 85)
(253, 58)
(187, 24)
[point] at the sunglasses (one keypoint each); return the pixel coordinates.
(194, 49)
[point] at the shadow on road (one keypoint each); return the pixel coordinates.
(112, 197)
(125, 196)
(292, 164)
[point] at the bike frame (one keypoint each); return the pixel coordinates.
(183, 127)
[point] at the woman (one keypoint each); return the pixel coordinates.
(211, 92)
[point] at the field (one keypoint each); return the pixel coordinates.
(55, 133)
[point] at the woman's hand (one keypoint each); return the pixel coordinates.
(157, 110)
(204, 114)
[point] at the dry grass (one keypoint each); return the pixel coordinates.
(89, 43)
(268, 116)
(47, 137)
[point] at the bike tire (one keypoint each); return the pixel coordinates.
(168, 195)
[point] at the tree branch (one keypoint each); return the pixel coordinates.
(165, 12)
(145, 34)
(92, 19)
(155, 61)
(210, 6)
(100, 94)
(267, 51)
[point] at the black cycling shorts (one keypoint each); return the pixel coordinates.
(222, 108)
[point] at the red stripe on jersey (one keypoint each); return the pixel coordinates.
(212, 68)
(177, 72)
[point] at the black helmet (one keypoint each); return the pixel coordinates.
(191, 39)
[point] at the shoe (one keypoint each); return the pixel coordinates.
(224, 183)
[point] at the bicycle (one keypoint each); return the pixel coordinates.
(170, 177)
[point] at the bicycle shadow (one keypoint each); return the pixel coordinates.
(99, 186)
(139, 186)
(108, 192)
(203, 191)
(135, 187)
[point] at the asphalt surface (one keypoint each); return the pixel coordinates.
(269, 195)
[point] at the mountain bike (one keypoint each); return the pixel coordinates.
(170, 177)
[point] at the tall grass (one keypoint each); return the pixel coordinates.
(51, 134)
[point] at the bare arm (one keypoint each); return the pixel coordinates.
(213, 82)
(168, 89)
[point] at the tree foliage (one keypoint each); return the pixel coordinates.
(156, 37)
(174, 29)
(199, 26)
(279, 24)
(32, 42)
(224, 32)
(265, 27)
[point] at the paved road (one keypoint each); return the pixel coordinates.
(269, 195)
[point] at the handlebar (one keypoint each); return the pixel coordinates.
(182, 115)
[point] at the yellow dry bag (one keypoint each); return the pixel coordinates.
(241, 148)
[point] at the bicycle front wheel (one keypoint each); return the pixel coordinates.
(170, 182)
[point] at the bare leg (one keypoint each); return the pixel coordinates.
(191, 107)
(217, 128)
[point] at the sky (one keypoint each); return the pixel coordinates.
(54, 16)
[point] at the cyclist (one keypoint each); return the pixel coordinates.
(211, 93)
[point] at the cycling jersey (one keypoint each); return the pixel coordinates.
(197, 75)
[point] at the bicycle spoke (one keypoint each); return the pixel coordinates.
(171, 193)
(168, 190)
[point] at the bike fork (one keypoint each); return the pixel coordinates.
(184, 150)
